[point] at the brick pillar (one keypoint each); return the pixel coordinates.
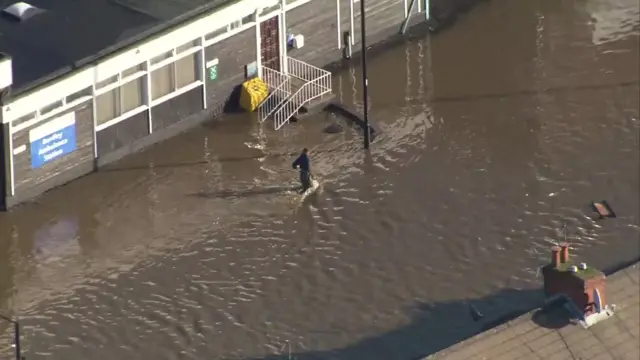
(555, 256)
(564, 255)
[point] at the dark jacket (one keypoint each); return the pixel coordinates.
(302, 161)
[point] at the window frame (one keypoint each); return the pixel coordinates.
(234, 27)
(176, 83)
(136, 73)
(172, 81)
(63, 104)
(193, 51)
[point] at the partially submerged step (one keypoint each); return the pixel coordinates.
(313, 107)
(353, 115)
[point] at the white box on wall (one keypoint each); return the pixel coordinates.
(6, 71)
(298, 41)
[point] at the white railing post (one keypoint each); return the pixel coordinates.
(283, 37)
(256, 15)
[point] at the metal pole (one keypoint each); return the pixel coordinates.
(16, 336)
(16, 331)
(353, 32)
(405, 23)
(338, 20)
(365, 81)
(427, 10)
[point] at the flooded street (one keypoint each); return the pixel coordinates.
(495, 133)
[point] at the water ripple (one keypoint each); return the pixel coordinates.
(208, 253)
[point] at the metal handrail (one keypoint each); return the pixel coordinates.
(308, 92)
(276, 98)
(304, 71)
(281, 103)
(273, 78)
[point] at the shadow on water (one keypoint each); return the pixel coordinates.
(258, 156)
(433, 327)
(437, 326)
(227, 159)
(227, 194)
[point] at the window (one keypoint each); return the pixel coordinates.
(184, 47)
(107, 106)
(234, 25)
(120, 100)
(82, 93)
(161, 57)
(132, 70)
(24, 119)
(108, 81)
(269, 10)
(186, 71)
(248, 19)
(174, 76)
(131, 94)
(162, 81)
(49, 108)
(216, 33)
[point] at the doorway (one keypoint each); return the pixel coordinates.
(270, 43)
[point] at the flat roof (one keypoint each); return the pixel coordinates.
(70, 34)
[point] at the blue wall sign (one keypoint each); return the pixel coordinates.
(53, 140)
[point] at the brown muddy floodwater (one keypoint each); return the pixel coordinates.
(496, 132)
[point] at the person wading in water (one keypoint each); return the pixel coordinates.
(304, 164)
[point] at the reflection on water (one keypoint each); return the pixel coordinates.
(54, 241)
(613, 20)
(491, 141)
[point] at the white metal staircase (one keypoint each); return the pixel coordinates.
(289, 92)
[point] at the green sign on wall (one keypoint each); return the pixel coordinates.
(212, 69)
(213, 72)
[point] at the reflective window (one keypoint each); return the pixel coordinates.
(234, 25)
(49, 108)
(107, 106)
(269, 10)
(118, 101)
(184, 47)
(106, 82)
(131, 94)
(132, 70)
(248, 19)
(162, 81)
(24, 119)
(216, 33)
(77, 95)
(161, 57)
(186, 71)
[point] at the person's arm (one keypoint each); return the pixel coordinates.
(296, 163)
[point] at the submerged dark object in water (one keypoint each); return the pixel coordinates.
(476, 315)
(603, 209)
(333, 129)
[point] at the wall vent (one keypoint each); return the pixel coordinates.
(21, 11)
